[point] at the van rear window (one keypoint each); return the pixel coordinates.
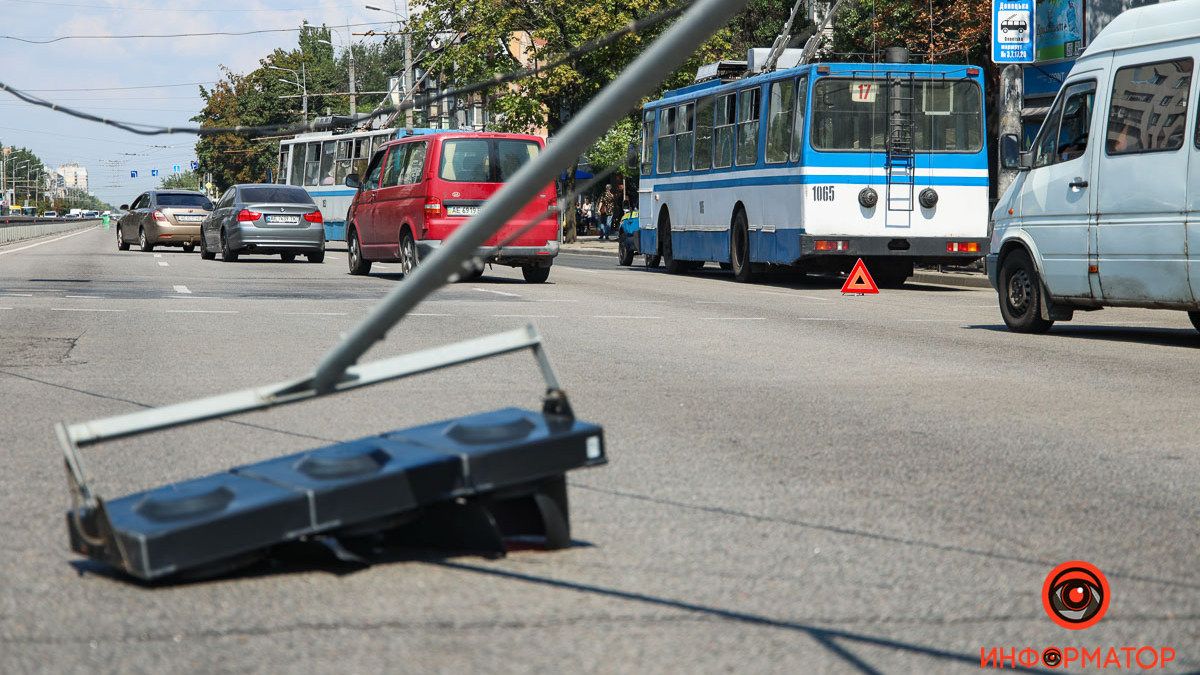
(480, 160)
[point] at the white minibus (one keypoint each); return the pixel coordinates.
(1105, 208)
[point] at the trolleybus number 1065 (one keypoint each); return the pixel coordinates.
(822, 193)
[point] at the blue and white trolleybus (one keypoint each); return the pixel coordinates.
(815, 166)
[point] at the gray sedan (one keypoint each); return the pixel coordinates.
(264, 218)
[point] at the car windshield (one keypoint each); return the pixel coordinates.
(275, 195)
(185, 201)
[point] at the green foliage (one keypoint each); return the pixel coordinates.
(952, 31)
(188, 180)
(612, 150)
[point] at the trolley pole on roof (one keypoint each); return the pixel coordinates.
(666, 54)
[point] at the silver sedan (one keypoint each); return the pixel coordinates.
(264, 219)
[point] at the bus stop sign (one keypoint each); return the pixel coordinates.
(1012, 31)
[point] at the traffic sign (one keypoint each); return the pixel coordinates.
(175, 168)
(195, 165)
(153, 172)
(1012, 31)
(859, 280)
(133, 174)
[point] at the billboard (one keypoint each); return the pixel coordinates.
(1059, 30)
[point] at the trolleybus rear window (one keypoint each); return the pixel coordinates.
(852, 114)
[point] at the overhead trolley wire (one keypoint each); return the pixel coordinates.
(260, 31)
(569, 56)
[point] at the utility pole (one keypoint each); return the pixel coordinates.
(1012, 98)
(408, 57)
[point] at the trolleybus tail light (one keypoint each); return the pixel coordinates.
(159, 216)
(826, 245)
(433, 206)
(314, 217)
(248, 216)
(972, 71)
(962, 247)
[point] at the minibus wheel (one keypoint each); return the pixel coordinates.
(408, 253)
(1021, 295)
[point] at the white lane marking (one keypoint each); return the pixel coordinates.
(91, 297)
(157, 255)
(646, 302)
(182, 289)
(524, 316)
(622, 316)
(488, 290)
(48, 241)
(714, 302)
(813, 297)
(814, 318)
(313, 313)
(733, 318)
(201, 311)
(163, 264)
(83, 309)
(16, 295)
(5, 307)
(416, 314)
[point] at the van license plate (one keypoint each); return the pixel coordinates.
(462, 210)
(283, 220)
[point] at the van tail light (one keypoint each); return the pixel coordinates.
(248, 216)
(962, 247)
(314, 217)
(825, 245)
(160, 217)
(433, 207)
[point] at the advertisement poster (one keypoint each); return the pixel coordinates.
(1059, 29)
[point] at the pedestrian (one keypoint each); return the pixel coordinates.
(606, 210)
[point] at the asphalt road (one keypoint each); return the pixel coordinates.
(799, 481)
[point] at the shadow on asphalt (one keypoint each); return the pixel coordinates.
(1164, 337)
(831, 639)
(345, 557)
(791, 280)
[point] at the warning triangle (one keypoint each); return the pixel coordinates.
(859, 280)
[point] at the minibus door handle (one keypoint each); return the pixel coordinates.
(1078, 183)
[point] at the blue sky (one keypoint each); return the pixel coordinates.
(94, 64)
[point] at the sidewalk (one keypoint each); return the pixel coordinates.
(591, 246)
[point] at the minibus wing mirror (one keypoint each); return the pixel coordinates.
(1011, 157)
(353, 181)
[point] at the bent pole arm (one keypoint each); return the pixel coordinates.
(639, 79)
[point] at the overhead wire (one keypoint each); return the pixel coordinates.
(210, 10)
(259, 31)
(569, 56)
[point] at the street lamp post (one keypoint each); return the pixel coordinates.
(408, 59)
(302, 84)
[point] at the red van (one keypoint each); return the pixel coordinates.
(420, 188)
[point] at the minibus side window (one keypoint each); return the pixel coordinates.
(1139, 116)
(1076, 122)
